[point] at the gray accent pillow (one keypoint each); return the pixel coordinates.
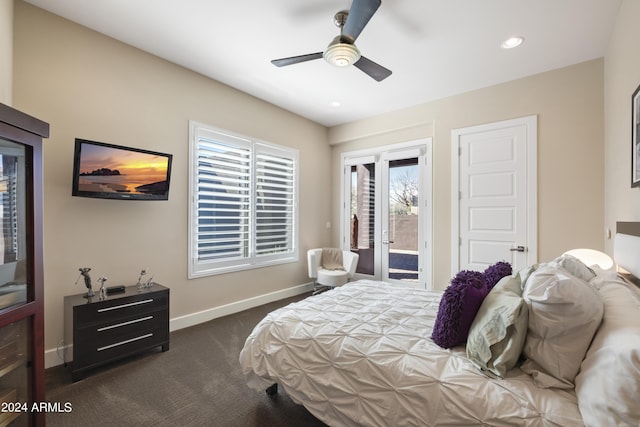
(498, 332)
(564, 314)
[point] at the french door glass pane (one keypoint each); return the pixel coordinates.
(362, 215)
(403, 219)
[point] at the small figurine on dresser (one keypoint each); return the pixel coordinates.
(103, 292)
(147, 284)
(84, 272)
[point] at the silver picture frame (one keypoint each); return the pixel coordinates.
(635, 138)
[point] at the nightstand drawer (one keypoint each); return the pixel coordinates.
(108, 332)
(129, 343)
(107, 311)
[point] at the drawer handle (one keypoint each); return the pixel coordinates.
(106, 347)
(131, 304)
(106, 328)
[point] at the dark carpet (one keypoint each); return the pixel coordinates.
(197, 382)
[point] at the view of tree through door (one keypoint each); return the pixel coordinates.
(403, 216)
(385, 196)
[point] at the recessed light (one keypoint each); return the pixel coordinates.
(512, 42)
(335, 104)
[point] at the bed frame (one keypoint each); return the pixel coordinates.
(627, 250)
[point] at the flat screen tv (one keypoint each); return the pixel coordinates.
(110, 171)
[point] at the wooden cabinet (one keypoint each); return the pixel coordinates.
(21, 272)
(120, 325)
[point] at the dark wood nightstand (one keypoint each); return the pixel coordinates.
(123, 324)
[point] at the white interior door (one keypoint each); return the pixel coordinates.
(387, 213)
(494, 209)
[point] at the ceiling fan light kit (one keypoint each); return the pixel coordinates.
(342, 51)
(341, 54)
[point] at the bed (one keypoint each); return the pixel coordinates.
(363, 354)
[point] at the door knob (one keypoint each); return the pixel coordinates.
(386, 242)
(518, 249)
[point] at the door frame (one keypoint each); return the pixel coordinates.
(378, 155)
(531, 124)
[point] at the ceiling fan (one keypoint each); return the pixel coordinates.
(342, 50)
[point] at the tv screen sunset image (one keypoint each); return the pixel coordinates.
(108, 169)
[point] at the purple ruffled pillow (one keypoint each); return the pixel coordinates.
(495, 272)
(458, 307)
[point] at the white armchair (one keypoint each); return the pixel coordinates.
(330, 278)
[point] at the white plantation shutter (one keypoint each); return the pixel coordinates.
(275, 191)
(243, 202)
(223, 197)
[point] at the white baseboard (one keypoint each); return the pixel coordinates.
(193, 319)
(51, 357)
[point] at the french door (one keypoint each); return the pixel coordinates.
(387, 212)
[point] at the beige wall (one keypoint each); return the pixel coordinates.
(6, 51)
(569, 106)
(88, 85)
(621, 78)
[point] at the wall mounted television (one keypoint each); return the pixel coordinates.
(109, 171)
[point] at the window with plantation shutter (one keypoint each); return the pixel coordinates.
(243, 198)
(275, 198)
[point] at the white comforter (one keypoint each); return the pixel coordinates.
(362, 354)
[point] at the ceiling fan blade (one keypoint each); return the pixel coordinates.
(359, 15)
(375, 71)
(296, 59)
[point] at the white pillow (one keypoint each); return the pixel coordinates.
(574, 266)
(608, 385)
(564, 314)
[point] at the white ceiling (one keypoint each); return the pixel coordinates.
(435, 48)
